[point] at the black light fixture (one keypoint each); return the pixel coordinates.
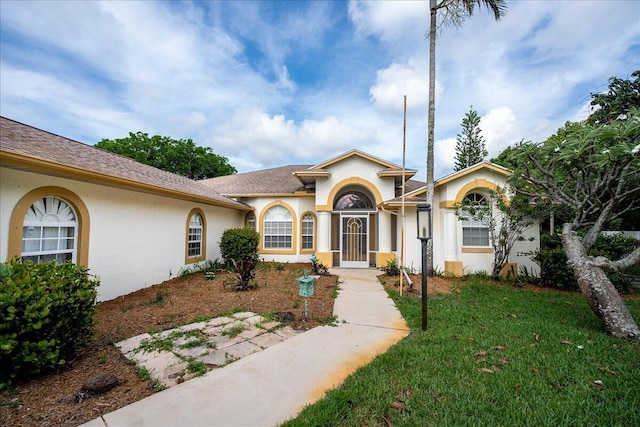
(423, 218)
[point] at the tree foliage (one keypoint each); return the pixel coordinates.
(588, 171)
(470, 147)
(622, 96)
(179, 156)
(507, 220)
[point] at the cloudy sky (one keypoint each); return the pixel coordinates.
(268, 84)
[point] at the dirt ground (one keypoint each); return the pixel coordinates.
(56, 399)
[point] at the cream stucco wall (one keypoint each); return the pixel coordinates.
(135, 240)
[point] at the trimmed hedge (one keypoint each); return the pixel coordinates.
(239, 244)
(46, 316)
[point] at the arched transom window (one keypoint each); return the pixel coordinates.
(195, 236)
(353, 200)
(308, 223)
(278, 228)
(50, 231)
(475, 230)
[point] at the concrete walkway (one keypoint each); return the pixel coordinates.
(273, 385)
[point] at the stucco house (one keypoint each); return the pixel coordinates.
(134, 225)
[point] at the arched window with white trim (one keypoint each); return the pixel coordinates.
(278, 228)
(50, 230)
(195, 236)
(475, 227)
(308, 232)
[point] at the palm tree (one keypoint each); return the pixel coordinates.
(455, 12)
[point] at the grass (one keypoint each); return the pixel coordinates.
(493, 355)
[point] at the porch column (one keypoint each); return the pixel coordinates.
(324, 239)
(384, 238)
(450, 239)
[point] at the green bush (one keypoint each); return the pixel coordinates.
(46, 316)
(556, 273)
(239, 249)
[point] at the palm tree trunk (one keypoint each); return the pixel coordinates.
(431, 122)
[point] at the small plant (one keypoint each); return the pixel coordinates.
(197, 367)
(391, 269)
(210, 275)
(329, 320)
(233, 331)
(103, 358)
(318, 268)
(239, 248)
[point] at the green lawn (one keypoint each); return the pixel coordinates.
(495, 356)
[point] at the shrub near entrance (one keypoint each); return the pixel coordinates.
(47, 316)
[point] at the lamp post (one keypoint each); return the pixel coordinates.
(424, 234)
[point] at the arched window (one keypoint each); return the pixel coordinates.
(353, 200)
(278, 228)
(196, 237)
(251, 221)
(49, 231)
(308, 226)
(475, 220)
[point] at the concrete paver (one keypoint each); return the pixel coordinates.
(295, 372)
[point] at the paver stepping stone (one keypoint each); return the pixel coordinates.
(244, 315)
(215, 358)
(132, 343)
(193, 326)
(217, 321)
(159, 364)
(212, 330)
(270, 325)
(254, 320)
(174, 374)
(194, 352)
(242, 349)
(267, 340)
(251, 332)
(229, 342)
(286, 332)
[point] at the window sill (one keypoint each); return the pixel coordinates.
(477, 250)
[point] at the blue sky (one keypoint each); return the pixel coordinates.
(268, 84)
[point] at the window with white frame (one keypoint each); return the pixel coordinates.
(308, 223)
(251, 221)
(194, 248)
(475, 230)
(50, 231)
(277, 228)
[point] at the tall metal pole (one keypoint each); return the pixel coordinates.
(424, 284)
(404, 150)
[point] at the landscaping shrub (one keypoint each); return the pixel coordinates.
(555, 273)
(46, 316)
(239, 249)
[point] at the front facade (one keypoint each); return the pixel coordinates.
(133, 225)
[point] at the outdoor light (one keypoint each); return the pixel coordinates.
(424, 221)
(424, 234)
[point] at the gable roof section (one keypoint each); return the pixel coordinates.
(275, 181)
(417, 194)
(27, 148)
(388, 169)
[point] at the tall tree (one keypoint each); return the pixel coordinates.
(470, 148)
(590, 174)
(179, 156)
(621, 96)
(454, 12)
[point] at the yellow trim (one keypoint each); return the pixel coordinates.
(262, 195)
(344, 183)
(203, 249)
(383, 257)
(19, 161)
(448, 204)
(483, 165)
(326, 258)
(358, 154)
(315, 232)
(246, 219)
(20, 210)
(468, 188)
(472, 250)
(455, 268)
(294, 230)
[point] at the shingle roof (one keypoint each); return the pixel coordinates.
(25, 147)
(269, 181)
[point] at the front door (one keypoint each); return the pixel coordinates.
(354, 244)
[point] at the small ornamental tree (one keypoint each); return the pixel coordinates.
(507, 221)
(239, 250)
(470, 147)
